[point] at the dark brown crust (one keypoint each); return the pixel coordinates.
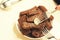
(51, 18)
(37, 33)
(28, 25)
(25, 32)
(42, 8)
(48, 25)
(31, 19)
(21, 20)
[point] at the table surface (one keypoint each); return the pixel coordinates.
(9, 17)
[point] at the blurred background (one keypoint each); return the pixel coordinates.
(9, 15)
